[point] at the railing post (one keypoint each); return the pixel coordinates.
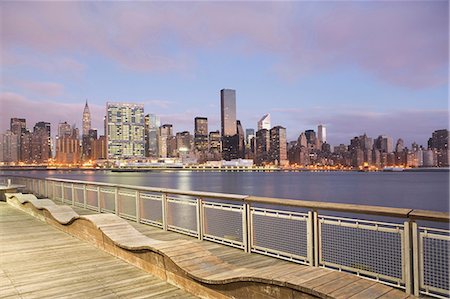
(200, 218)
(415, 256)
(246, 227)
(310, 238)
(98, 200)
(316, 238)
(53, 188)
(138, 206)
(73, 195)
(407, 257)
(84, 196)
(116, 200)
(164, 210)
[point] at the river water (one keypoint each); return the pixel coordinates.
(415, 190)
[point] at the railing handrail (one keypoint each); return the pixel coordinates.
(406, 213)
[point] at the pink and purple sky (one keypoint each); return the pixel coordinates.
(379, 67)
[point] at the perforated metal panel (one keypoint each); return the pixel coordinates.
(151, 209)
(434, 260)
(182, 215)
(107, 199)
(79, 195)
(91, 197)
(362, 246)
(223, 223)
(58, 191)
(127, 204)
(67, 193)
(280, 233)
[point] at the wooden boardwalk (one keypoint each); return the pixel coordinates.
(39, 261)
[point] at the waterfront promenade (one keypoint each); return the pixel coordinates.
(72, 269)
(40, 261)
(327, 256)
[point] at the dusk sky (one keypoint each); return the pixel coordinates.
(374, 67)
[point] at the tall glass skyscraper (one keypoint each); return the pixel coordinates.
(152, 124)
(230, 138)
(125, 130)
(201, 134)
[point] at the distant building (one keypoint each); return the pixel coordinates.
(9, 147)
(262, 151)
(264, 122)
(278, 145)
(165, 136)
(18, 126)
(241, 140)
(67, 145)
(439, 143)
(183, 140)
(250, 143)
(86, 119)
(151, 135)
(322, 133)
(384, 144)
(230, 138)
(428, 158)
(125, 130)
(215, 146)
(86, 140)
(41, 150)
(201, 134)
(99, 149)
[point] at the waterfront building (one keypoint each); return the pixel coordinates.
(311, 139)
(85, 138)
(201, 135)
(250, 143)
(165, 140)
(99, 148)
(278, 143)
(384, 143)
(151, 135)
(230, 138)
(439, 143)
(41, 144)
(322, 133)
(183, 142)
(9, 147)
(241, 140)
(264, 122)
(67, 145)
(262, 151)
(125, 130)
(428, 158)
(215, 146)
(399, 146)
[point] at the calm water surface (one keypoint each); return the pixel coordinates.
(417, 190)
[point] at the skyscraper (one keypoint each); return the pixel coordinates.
(165, 135)
(18, 126)
(201, 134)
(322, 133)
(278, 145)
(67, 148)
(439, 144)
(262, 147)
(230, 138)
(264, 122)
(152, 124)
(241, 139)
(41, 150)
(125, 130)
(86, 120)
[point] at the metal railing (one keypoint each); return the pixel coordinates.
(401, 254)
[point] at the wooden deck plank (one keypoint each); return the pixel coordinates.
(352, 289)
(374, 291)
(39, 261)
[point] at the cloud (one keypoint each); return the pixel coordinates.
(158, 103)
(403, 43)
(49, 89)
(35, 110)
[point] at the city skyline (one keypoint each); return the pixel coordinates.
(296, 66)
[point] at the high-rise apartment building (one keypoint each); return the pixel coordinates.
(165, 136)
(322, 133)
(18, 126)
(67, 145)
(9, 147)
(125, 130)
(264, 122)
(241, 139)
(215, 145)
(439, 144)
(384, 143)
(183, 140)
(230, 138)
(152, 124)
(278, 145)
(262, 154)
(201, 134)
